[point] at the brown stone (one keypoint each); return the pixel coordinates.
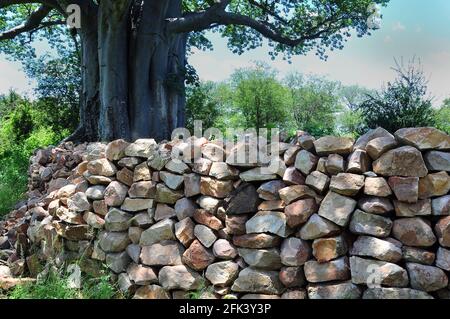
(378, 146)
(405, 161)
(203, 217)
(292, 277)
(299, 212)
(334, 164)
(406, 189)
(197, 256)
(184, 231)
(358, 162)
(326, 249)
(377, 186)
(413, 232)
(347, 184)
(434, 185)
(442, 230)
(424, 138)
(257, 241)
(293, 177)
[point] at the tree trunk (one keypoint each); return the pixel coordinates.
(133, 72)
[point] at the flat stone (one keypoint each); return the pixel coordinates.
(215, 188)
(163, 230)
(434, 185)
(374, 272)
(316, 272)
(115, 194)
(191, 185)
(261, 258)
(378, 146)
(270, 222)
(369, 224)
(292, 176)
(332, 144)
(141, 275)
(258, 281)
(222, 273)
(426, 278)
(151, 292)
(327, 249)
(137, 204)
(376, 248)
(129, 162)
(144, 189)
(424, 138)
(256, 241)
(269, 190)
(347, 184)
(306, 162)
(117, 220)
(442, 230)
(173, 181)
(337, 208)
(406, 189)
(418, 255)
(142, 148)
(164, 211)
(437, 161)
(318, 227)
(258, 174)
(361, 143)
(144, 219)
(443, 259)
(395, 293)
(205, 235)
(197, 256)
(166, 195)
(166, 252)
(113, 241)
(421, 208)
(295, 252)
(292, 277)
(334, 164)
(242, 200)
(405, 161)
(272, 205)
(318, 181)
(101, 167)
(296, 192)
(95, 192)
(375, 205)
(413, 232)
(346, 290)
(377, 186)
(184, 231)
(179, 277)
(223, 249)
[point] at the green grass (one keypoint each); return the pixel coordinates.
(55, 286)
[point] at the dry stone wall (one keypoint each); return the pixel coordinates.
(338, 218)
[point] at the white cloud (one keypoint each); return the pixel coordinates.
(398, 26)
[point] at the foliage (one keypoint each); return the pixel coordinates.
(442, 117)
(403, 103)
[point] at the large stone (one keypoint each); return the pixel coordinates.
(332, 144)
(101, 167)
(306, 162)
(129, 162)
(346, 290)
(269, 190)
(141, 275)
(261, 258)
(151, 292)
(292, 176)
(377, 186)
(434, 185)
(142, 173)
(205, 235)
(375, 205)
(115, 194)
(413, 232)
(215, 188)
(270, 222)
(395, 293)
(337, 208)
(191, 184)
(376, 248)
(377, 273)
(372, 134)
(222, 273)
(117, 262)
(258, 281)
(290, 154)
(295, 252)
(184, 231)
(204, 217)
(113, 241)
(443, 258)
(166, 195)
(442, 230)
(142, 148)
(144, 189)
(95, 192)
(318, 181)
(358, 162)
(137, 204)
(378, 146)
(242, 200)
(223, 249)
(299, 212)
(424, 138)
(347, 184)
(117, 220)
(258, 174)
(164, 211)
(426, 278)
(180, 277)
(405, 161)
(369, 224)
(418, 255)
(292, 277)
(406, 189)
(197, 256)
(163, 230)
(437, 161)
(184, 208)
(166, 252)
(223, 171)
(296, 192)
(316, 272)
(125, 176)
(318, 227)
(173, 181)
(421, 208)
(334, 164)
(116, 150)
(257, 241)
(78, 202)
(326, 249)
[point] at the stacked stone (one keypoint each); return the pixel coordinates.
(336, 219)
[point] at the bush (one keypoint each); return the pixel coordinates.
(442, 117)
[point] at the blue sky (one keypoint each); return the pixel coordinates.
(409, 28)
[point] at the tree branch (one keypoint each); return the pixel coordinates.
(33, 23)
(7, 3)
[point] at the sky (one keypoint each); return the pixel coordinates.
(410, 28)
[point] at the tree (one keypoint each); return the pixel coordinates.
(442, 116)
(314, 103)
(133, 52)
(403, 103)
(201, 105)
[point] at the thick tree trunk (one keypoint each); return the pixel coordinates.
(133, 72)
